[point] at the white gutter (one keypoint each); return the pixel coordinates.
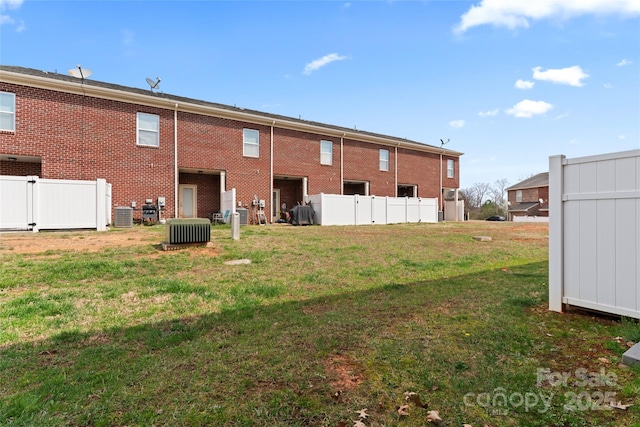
(273, 208)
(342, 164)
(395, 168)
(175, 161)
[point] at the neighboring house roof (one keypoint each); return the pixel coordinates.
(540, 180)
(522, 207)
(69, 84)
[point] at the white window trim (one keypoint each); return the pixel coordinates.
(384, 163)
(12, 113)
(328, 154)
(518, 196)
(451, 171)
(156, 131)
(245, 143)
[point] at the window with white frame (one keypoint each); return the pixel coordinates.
(450, 168)
(148, 130)
(8, 111)
(519, 196)
(326, 152)
(250, 143)
(384, 160)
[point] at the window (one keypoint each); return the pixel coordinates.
(8, 111)
(251, 143)
(326, 152)
(450, 168)
(519, 196)
(148, 130)
(384, 160)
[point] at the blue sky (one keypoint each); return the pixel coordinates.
(509, 82)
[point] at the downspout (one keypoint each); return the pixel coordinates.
(273, 208)
(395, 168)
(175, 161)
(342, 164)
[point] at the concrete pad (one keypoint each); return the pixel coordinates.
(632, 356)
(238, 262)
(482, 238)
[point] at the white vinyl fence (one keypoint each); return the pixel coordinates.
(335, 209)
(594, 233)
(518, 218)
(31, 203)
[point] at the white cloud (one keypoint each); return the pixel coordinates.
(624, 62)
(527, 108)
(489, 113)
(607, 85)
(346, 5)
(457, 124)
(319, 63)
(518, 13)
(10, 4)
(128, 37)
(621, 137)
(569, 76)
(524, 84)
(7, 19)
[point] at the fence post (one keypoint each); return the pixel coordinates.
(556, 232)
(33, 195)
(101, 204)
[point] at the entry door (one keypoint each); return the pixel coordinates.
(187, 201)
(275, 204)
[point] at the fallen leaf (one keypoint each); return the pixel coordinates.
(604, 360)
(359, 423)
(413, 397)
(434, 387)
(630, 344)
(434, 417)
(467, 425)
(362, 413)
(402, 411)
(342, 424)
(619, 405)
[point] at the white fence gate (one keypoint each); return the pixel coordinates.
(31, 203)
(336, 209)
(594, 233)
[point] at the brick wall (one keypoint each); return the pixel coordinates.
(20, 168)
(81, 137)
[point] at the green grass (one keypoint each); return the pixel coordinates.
(324, 322)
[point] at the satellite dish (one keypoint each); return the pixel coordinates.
(153, 85)
(541, 201)
(80, 73)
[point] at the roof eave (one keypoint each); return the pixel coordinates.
(79, 88)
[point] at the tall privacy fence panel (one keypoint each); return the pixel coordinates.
(335, 209)
(594, 233)
(32, 203)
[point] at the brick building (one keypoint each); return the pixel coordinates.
(150, 145)
(529, 197)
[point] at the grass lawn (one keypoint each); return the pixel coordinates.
(106, 329)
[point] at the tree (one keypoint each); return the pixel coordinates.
(483, 199)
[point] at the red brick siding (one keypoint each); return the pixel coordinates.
(80, 137)
(20, 168)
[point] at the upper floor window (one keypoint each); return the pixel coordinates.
(8, 111)
(148, 130)
(451, 168)
(250, 143)
(326, 152)
(519, 196)
(384, 160)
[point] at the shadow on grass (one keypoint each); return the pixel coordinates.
(256, 364)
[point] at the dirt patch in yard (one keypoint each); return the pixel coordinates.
(85, 241)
